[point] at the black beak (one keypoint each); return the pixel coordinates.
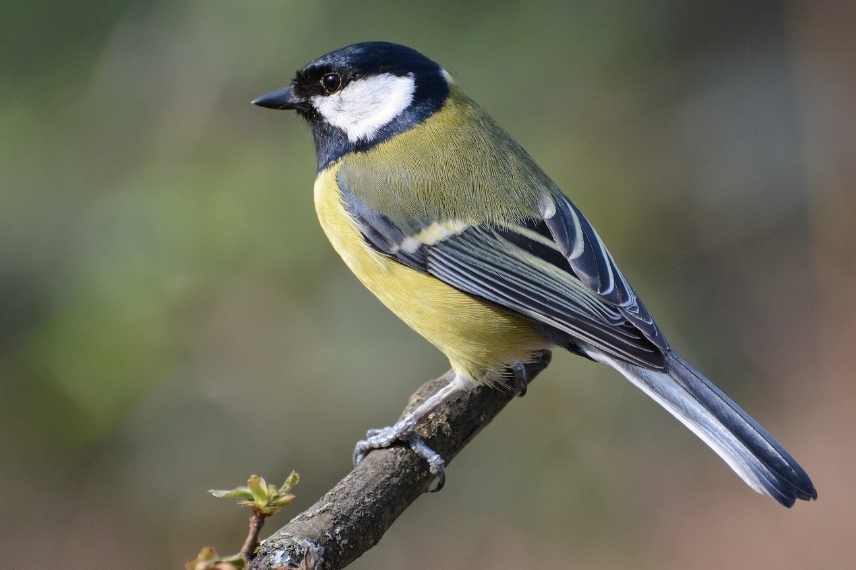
(281, 99)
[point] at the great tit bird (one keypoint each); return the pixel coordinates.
(452, 225)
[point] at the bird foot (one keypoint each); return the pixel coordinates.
(517, 380)
(519, 374)
(403, 432)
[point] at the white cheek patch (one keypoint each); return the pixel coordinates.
(366, 105)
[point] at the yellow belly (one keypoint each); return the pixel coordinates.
(478, 338)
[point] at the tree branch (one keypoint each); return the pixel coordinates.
(353, 516)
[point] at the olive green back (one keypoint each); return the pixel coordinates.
(458, 164)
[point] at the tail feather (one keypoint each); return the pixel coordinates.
(734, 435)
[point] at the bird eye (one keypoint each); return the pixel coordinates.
(331, 82)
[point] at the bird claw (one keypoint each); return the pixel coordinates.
(519, 380)
(403, 432)
(519, 374)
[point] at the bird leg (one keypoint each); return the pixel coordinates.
(517, 376)
(404, 431)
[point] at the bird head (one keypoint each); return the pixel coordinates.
(362, 94)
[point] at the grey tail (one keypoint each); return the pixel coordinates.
(734, 435)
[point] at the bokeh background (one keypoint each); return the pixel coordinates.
(172, 319)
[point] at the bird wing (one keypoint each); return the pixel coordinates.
(552, 269)
(592, 263)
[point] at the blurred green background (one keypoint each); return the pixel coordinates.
(172, 318)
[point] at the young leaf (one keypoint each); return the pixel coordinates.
(208, 559)
(259, 489)
(236, 493)
(290, 482)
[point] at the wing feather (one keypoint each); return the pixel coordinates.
(594, 265)
(520, 267)
(478, 263)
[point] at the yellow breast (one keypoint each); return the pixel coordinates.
(478, 338)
